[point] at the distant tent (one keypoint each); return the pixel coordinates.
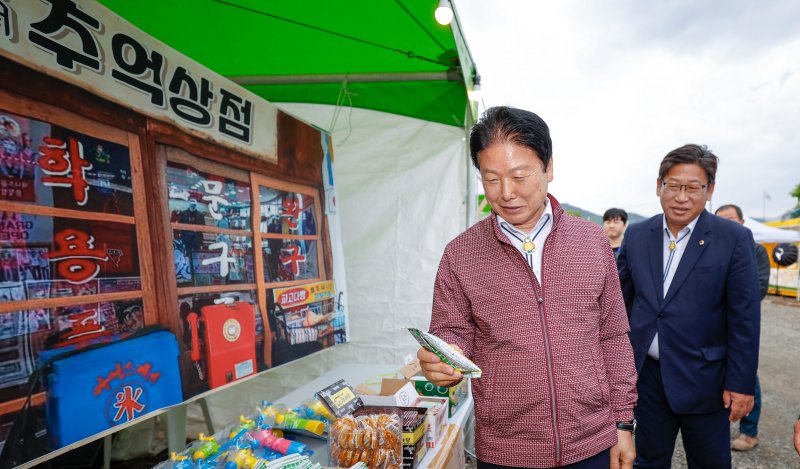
(768, 234)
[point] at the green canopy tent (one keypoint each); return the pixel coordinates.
(403, 177)
(387, 55)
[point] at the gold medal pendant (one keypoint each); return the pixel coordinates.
(672, 245)
(528, 246)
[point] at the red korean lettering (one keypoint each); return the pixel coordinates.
(290, 211)
(84, 326)
(76, 256)
(64, 166)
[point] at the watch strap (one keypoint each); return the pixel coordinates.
(627, 426)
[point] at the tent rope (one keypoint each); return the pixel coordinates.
(344, 94)
(409, 54)
(421, 26)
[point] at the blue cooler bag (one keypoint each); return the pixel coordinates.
(96, 389)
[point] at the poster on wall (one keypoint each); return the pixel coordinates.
(67, 241)
(222, 340)
(215, 242)
(45, 257)
(306, 319)
(258, 265)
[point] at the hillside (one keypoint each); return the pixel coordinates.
(484, 210)
(591, 216)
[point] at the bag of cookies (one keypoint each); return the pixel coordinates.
(371, 435)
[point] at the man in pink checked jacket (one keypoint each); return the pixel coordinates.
(532, 296)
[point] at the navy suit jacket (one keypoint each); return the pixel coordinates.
(708, 323)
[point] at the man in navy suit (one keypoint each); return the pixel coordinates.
(691, 289)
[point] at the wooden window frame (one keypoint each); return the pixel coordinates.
(258, 181)
(18, 105)
(180, 156)
(30, 108)
(169, 152)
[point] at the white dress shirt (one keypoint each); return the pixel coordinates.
(671, 259)
(537, 235)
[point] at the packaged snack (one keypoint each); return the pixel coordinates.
(447, 353)
(372, 435)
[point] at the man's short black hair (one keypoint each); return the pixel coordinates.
(731, 206)
(503, 124)
(691, 154)
(616, 213)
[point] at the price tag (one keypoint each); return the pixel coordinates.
(340, 399)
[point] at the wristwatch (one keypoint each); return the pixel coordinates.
(627, 426)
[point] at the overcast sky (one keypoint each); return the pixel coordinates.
(623, 82)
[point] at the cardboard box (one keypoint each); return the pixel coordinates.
(394, 392)
(437, 418)
(401, 392)
(451, 452)
(412, 368)
(455, 395)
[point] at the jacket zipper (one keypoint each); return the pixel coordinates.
(539, 291)
(550, 379)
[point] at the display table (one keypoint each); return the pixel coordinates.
(449, 450)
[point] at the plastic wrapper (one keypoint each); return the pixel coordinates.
(372, 435)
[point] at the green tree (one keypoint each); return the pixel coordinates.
(796, 193)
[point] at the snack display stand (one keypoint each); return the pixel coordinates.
(436, 458)
(448, 453)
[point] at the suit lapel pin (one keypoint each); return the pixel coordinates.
(701, 242)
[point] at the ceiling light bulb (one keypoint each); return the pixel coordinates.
(443, 13)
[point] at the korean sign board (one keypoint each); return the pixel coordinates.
(87, 45)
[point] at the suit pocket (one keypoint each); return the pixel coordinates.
(713, 353)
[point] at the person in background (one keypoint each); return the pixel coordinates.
(691, 289)
(615, 220)
(531, 295)
(191, 215)
(797, 436)
(748, 426)
(192, 240)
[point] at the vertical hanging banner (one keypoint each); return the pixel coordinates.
(86, 44)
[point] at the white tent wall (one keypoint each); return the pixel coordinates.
(401, 195)
(769, 234)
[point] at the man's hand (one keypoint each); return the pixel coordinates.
(435, 370)
(739, 404)
(624, 452)
(797, 436)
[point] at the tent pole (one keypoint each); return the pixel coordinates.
(450, 75)
(472, 186)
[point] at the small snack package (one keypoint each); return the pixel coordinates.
(414, 426)
(372, 435)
